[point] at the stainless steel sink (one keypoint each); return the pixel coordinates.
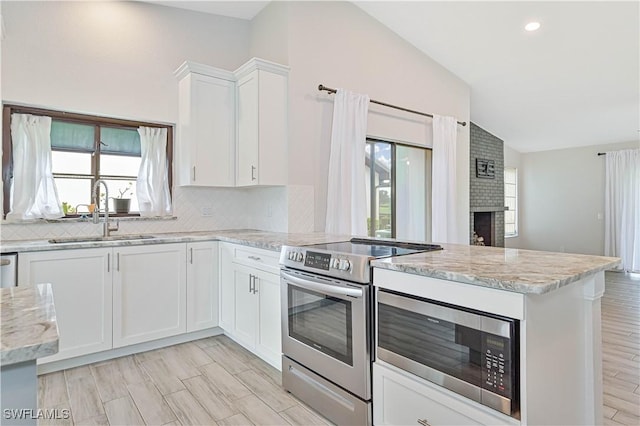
(97, 239)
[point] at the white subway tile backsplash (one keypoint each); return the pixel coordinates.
(277, 209)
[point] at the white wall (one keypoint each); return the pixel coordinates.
(337, 44)
(562, 199)
(117, 59)
(111, 58)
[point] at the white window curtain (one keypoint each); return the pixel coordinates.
(444, 196)
(346, 189)
(622, 207)
(33, 190)
(152, 185)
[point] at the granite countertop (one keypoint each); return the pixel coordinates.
(522, 271)
(259, 239)
(29, 329)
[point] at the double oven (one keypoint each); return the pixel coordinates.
(327, 324)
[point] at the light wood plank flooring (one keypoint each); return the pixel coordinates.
(621, 348)
(215, 381)
(212, 381)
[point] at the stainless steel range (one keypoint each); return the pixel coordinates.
(327, 324)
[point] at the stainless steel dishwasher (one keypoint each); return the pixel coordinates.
(8, 270)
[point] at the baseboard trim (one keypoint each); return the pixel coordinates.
(64, 364)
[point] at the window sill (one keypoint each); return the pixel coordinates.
(122, 217)
(511, 236)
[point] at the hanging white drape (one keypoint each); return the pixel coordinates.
(152, 185)
(622, 207)
(346, 189)
(444, 193)
(33, 190)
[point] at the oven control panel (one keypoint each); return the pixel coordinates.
(323, 262)
(295, 256)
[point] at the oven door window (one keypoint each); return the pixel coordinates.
(321, 322)
(450, 348)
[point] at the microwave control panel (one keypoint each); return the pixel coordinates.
(496, 368)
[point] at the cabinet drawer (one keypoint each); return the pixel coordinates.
(265, 260)
(403, 399)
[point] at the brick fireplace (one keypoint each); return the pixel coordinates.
(486, 192)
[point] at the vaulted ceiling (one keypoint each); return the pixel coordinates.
(573, 82)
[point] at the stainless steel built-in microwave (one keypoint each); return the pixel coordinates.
(472, 353)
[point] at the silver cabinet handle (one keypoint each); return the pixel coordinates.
(194, 173)
(255, 289)
(108, 262)
(256, 258)
(423, 422)
(250, 283)
(191, 255)
(253, 169)
(118, 262)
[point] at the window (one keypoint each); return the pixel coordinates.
(83, 149)
(398, 179)
(511, 201)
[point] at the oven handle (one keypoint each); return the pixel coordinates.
(323, 288)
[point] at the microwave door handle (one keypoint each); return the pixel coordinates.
(323, 288)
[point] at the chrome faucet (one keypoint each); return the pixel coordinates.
(106, 229)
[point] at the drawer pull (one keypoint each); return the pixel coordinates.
(423, 422)
(256, 258)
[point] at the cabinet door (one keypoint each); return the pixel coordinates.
(248, 143)
(81, 283)
(246, 305)
(227, 288)
(206, 136)
(404, 399)
(149, 292)
(272, 125)
(202, 285)
(269, 336)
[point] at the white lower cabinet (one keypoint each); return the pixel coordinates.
(149, 293)
(202, 285)
(108, 298)
(269, 336)
(246, 305)
(81, 282)
(401, 398)
(250, 300)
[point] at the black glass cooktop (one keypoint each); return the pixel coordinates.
(375, 248)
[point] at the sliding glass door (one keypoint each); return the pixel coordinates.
(398, 179)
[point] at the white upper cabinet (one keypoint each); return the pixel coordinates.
(262, 123)
(205, 145)
(232, 126)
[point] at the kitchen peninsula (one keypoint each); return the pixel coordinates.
(28, 331)
(554, 296)
(556, 299)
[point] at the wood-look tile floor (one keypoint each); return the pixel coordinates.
(212, 381)
(215, 381)
(621, 348)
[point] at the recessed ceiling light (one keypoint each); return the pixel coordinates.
(532, 26)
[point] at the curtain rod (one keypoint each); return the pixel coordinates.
(322, 87)
(602, 153)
